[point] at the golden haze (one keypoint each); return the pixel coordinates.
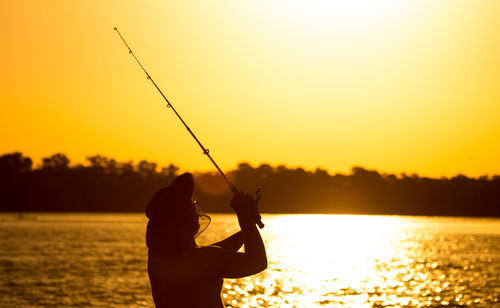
(408, 86)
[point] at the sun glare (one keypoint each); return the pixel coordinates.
(368, 15)
(355, 242)
(362, 234)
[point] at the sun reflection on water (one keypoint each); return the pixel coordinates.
(82, 260)
(362, 261)
(333, 256)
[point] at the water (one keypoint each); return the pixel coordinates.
(81, 260)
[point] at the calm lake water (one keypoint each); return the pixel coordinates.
(81, 260)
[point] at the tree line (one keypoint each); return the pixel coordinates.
(106, 185)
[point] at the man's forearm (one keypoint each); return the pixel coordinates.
(254, 246)
(232, 243)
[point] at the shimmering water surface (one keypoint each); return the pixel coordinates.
(80, 260)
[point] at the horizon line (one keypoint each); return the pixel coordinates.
(39, 163)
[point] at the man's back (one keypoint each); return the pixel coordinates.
(187, 279)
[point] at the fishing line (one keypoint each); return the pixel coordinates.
(205, 150)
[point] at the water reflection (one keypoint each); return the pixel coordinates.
(314, 261)
(332, 256)
(374, 261)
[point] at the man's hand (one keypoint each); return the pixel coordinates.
(243, 203)
(246, 205)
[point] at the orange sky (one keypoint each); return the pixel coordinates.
(400, 86)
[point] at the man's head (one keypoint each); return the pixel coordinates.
(173, 216)
(171, 199)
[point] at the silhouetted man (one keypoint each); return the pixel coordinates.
(183, 274)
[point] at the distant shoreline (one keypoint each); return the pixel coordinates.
(231, 213)
(107, 185)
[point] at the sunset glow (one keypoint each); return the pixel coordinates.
(398, 86)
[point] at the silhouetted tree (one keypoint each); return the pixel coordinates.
(14, 168)
(105, 184)
(56, 161)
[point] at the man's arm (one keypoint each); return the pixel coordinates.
(232, 243)
(253, 260)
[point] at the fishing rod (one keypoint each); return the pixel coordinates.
(205, 150)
